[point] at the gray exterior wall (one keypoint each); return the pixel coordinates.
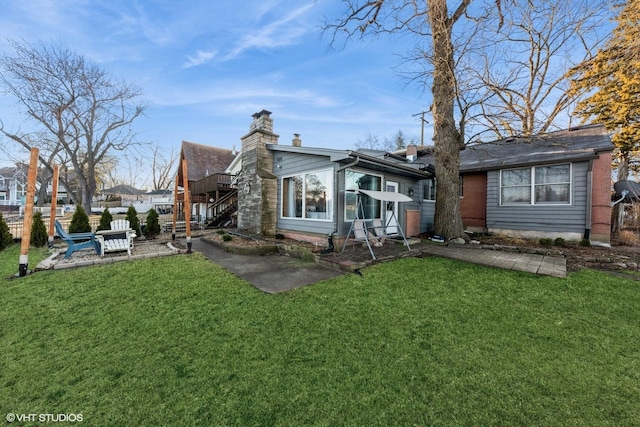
(540, 218)
(427, 215)
(287, 164)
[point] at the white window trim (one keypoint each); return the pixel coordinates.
(304, 198)
(533, 184)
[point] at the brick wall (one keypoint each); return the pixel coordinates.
(412, 221)
(473, 203)
(601, 199)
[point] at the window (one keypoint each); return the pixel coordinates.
(516, 186)
(429, 189)
(537, 185)
(355, 180)
(308, 195)
(553, 184)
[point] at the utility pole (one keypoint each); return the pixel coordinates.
(422, 122)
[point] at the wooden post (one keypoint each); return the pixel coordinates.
(187, 204)
(175, 209)
(54, 203)
(28, 214)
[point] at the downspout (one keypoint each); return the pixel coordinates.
(587, 225)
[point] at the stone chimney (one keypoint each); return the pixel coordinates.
(297, 142)
(412, 152)
(257, 186)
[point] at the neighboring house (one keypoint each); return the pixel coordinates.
(160, 200)
(13, 185)
(551, 185)
(303, 192)
(209, 184)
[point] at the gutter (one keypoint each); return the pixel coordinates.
(360, 156)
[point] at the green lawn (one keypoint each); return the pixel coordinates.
(179, 341)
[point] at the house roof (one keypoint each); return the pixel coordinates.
(12, 171)
(203, 160)
(574, 144)
(123, 189)
(372, 159)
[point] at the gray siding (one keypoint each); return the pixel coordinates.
(427, 209)
(286, 164)
(545, 218)
(427, 216)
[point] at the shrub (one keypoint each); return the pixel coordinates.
(39, 236)
(545, 241)
(628, 238)
(560, 242)
(79, 221)
(227, 237)
(220, 231)
(152, 229)
(5, 237)
(585, 243)
(132, 217)
(105, 220)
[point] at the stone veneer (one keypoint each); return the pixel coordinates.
(257, 186)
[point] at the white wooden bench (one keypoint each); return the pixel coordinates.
(118, 238)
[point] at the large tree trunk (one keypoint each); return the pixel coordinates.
(447, 140)
(88, 190)
(42, 191)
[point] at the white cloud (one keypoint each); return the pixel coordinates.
(283, 32)
(200, 58)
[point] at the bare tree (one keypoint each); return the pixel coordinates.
(432, 21)
(84, 113)
(162, 167)
(522, 66)
(517, 86)
(370, 142)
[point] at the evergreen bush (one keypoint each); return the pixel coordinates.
(559, 241)
(134, 222)
(5, 236)
(152, 229)
(39, 236)
(545, 241)
(79, 221)
(105, 220)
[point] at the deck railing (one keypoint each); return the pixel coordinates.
(211, 184)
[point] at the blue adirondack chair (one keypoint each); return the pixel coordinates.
(77, 241)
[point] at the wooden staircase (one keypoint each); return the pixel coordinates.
(223, 208)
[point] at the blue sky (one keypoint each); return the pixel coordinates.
(206, 66)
